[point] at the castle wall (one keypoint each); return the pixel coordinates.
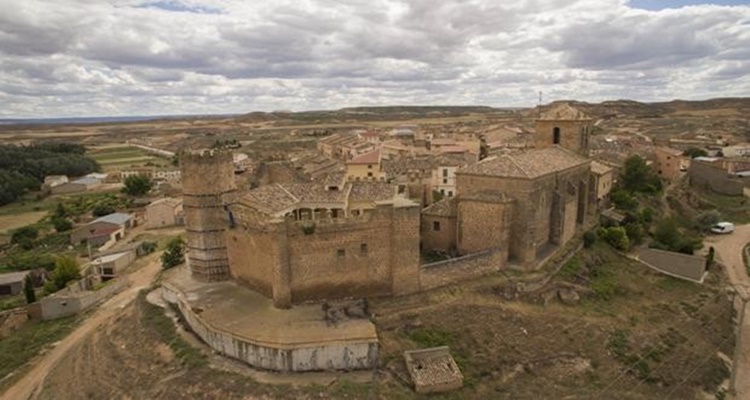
(208, 185)
(443, 239)
(295, 261)
(338, 260)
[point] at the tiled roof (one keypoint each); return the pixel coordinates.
(269, 199)
(453, 149)
(527, 164)
(371, 191)
(372, 157)
(443, 142)
(443, 208)
(599, 168)
(563, 112)
(13, 277)
(314, 192)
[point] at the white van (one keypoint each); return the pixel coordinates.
(723, 227)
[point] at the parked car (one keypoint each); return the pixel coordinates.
(723, 227)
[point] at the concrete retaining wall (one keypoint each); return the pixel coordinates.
(324, 356)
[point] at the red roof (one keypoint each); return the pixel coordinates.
(104, 231)
(372, 157)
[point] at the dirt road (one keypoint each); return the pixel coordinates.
(28, 386)
(729, 252)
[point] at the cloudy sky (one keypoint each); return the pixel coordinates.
(61, 58)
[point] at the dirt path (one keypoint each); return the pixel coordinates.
(729, 251)
(28, 386)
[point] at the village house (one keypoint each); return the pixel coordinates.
(669, 162)
(83, 184)
(164, 212)
(366, 167)
(111, 266)
(603, 178)
(110, 227)
(12, 283)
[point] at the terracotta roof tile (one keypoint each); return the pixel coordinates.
(443, 208)
(372, 157)
(372, 191)
(527, 164)
(563, 112)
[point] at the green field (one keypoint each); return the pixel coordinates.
(118, 157)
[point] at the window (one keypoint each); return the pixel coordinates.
(442, 191)
(556, 135)
(450, 193)
(445, 181)
(369, 166)
(369, 174)
(445, 172)
(363, 248)
(435, 225)
(340, 253)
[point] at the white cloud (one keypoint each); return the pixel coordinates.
(135, 57)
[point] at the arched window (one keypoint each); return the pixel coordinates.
(555, 135)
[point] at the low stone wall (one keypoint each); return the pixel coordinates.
(714, 177)
(443, 273)
(324, 356)
(67, 302)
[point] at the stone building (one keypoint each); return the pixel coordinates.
(603, 179)
(669, 162)
(565, 126)
(365, 167)
(524, 204)
(297, 242)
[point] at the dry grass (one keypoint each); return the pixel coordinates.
(10, 222)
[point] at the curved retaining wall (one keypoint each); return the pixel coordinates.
(277, 356)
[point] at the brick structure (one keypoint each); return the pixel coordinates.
(208, 188)
(565, 126)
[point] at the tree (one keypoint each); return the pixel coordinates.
(695, 152)
(174, 254)
(26, 232)
(61, 224)
(66, 270)
(624, 200)
(638, 177)
(28, 289)
(101, 210)
(137, 185)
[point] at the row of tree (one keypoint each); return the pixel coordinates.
(23, 168)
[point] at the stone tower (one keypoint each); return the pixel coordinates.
(565, 126)
(207, 188)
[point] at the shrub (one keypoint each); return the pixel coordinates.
(589, 239)
(617, 237)
(66, 270)
(174, 254)
(61, 224)
(624, 200)
(24, 233)
(101, 210)
(28, 289)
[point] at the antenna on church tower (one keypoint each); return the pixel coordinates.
(539, 107)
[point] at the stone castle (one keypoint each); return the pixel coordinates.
(297, 243)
